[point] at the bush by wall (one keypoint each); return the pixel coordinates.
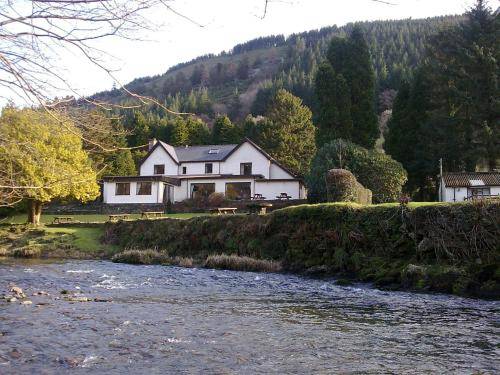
(372, 243)
(342, 186)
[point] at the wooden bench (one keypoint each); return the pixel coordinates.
(117, 217)
(63, 219)
(224, 210)
(258, 208)
(151, 214)
(258, 197)
(283, 196)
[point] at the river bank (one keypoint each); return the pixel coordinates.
(449, 248)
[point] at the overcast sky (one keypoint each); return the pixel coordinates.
(228, 22)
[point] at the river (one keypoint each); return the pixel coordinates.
(161, 320)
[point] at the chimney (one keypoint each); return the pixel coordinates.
(151, 143)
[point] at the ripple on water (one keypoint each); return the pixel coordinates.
(174, 320)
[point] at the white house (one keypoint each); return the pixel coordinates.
(174, 174)
(462, 186)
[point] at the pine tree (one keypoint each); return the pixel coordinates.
(224, 131)
(198, 132)
(180, 132)
(351, 87)
(334, 114)
(288, 133)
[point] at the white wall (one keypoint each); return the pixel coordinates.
(461, 193)
(158, 156)
(199, 168)
(278, 172)
(109, 196)
(271, 189)
(246, 153)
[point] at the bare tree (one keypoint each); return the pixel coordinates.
(35, 35)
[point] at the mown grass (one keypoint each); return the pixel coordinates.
(59, 242)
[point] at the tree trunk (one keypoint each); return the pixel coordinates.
(34, 212)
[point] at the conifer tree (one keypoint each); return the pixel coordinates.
(334, 114)
(346, 92)
(180, 132)
(288, 133)
(224, 131)
(198, 132)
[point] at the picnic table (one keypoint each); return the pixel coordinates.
(224, 210)
(119, 217)
(63, 219)
(283, 196)
(151, 214)
(258, 208)
(258, 197)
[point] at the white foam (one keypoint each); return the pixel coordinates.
(79, 271)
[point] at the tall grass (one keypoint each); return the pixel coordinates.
(241, 263)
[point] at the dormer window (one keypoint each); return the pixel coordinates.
(213, 151)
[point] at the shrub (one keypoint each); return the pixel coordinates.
(216, 199)
(376, 171)
(241, 263)
(342, 186)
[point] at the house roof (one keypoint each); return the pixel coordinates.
(202, 153)
(466, 179)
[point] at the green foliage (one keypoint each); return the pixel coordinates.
(287, 133)
(198, 132)
(122, 164)
(342, 186)
(180, 132)
(376, 171)
(224, 131)
(334, 117)
(44, 151)
(374, 243)
(345, 87)
(396, 47)
(452, 106)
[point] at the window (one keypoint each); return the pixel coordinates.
(143, 188)
(122, 188)
(184, 170)
(159, 169)
(238, 190)
(246, 169)
(213, 151)
(209, 167)
(473, 193)
(202, 190)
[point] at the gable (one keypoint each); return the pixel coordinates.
(158, 155)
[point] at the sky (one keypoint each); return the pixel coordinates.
(229, 22)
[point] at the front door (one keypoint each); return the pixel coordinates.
(168, 194)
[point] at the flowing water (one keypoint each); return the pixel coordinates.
(165, 320)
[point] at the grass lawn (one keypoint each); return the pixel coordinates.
(86, 239)
(89, 218)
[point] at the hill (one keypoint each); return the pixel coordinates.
(236, 82)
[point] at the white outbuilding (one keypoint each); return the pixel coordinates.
(173, 174)
(464, 186)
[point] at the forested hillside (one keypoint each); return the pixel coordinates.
(240, 81)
